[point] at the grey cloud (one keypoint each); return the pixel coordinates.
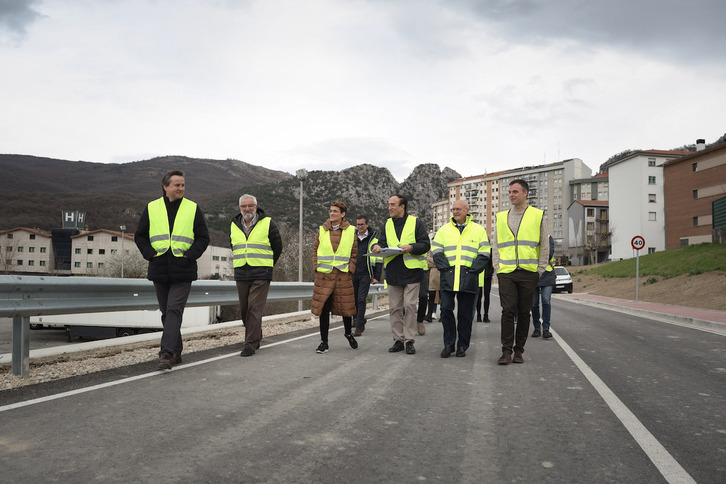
(677, 29)
(15, 16)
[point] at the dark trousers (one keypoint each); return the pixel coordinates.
(325, 320)
(423, 297)
(252, 300)
(516, 290)
(172, 297)
(464, 316)
(361, 286)
(432, 304)
(486, 290)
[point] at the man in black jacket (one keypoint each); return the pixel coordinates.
(172, 234)
(256, 247)
(407, 237)
(367, 271)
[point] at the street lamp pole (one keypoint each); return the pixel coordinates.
(302, 175)
(123, 254)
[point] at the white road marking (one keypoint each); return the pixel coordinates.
(663, 460)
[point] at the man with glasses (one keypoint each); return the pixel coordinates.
(367, 270)
(256, 247)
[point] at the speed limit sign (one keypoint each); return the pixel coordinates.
(638, 242)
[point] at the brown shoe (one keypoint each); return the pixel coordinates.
(176, 359)
(518, 357)
(164, 362)
(421, 329)
(357, 332)
(506, 358)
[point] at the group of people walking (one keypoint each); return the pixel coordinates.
(172, 234)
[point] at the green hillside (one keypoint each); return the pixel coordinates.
(690, 259)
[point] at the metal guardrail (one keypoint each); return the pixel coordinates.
(25, 296)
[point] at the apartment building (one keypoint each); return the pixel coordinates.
(481, 192)
(637, 204)
(594, 188)
(589, 232)
(26, 250)
(94, 253)
(691, 184)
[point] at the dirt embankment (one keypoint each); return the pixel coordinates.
(706, 291)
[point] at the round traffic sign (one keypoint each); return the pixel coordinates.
(638, 242)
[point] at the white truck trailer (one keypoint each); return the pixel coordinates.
(122, 323)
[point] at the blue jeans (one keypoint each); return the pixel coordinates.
(545, 293)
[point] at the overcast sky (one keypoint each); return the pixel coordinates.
(476, 85)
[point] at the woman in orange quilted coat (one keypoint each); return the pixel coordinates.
(334, 257)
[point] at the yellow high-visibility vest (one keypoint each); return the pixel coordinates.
(181, 236)
(255, 250)
(523, 250)
(408, 236)
(461, 248)
(339, 259)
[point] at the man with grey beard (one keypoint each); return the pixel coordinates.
(256, 247)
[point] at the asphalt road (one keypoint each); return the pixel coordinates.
(612, 398)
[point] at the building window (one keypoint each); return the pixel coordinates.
(215, 257)
(695, 194)
(31, 249)
(100, 265)
(651, 250)
(42, 250)
(590, 212)
(695, 221)
(651, 161)
(10, 236)
(9, 249)
(89, 265)
(114, 238)
(32, 236)
(42, 263)
(683, 242)
(651, 216)
(114, 251)
(651, 197)
(89, 251)
(90, 237)
(77, 251)
(76, 264)
(20, 249)
(651, 180)
(101, 251)
(31, 262)
(20, 262)
(590, 226)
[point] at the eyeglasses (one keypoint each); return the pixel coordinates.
(249, 205)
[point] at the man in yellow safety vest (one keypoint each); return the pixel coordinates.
(256, 247)
(172, 234)
(461, 252)
(405, 268)
(519, 260)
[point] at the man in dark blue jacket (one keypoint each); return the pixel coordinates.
(367, 270)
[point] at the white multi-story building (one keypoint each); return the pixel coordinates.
(92, 251)
(26, 250)
(637, 202)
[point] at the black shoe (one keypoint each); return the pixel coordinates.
(486, 318)
(428, 318)
(410, 350)
(322, 348)
(164, 362)
(546, 334)
(175, 359)
(352, 341)
(358, 332)
(518, 357)
(537, 334)
(478, 318)
(397, 346)
(247, 351)
(447, 351)
(506, 358)
(460, 352)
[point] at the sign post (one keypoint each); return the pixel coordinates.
(637, 243)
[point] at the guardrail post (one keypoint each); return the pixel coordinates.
(21, 346)
(375, 302)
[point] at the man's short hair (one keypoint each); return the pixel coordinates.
(364, 217)
(246, 195)
(522, 183)
(166, 180)
(402, 201)
(341, 205)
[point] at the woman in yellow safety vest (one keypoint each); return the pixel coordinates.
(334, 258)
